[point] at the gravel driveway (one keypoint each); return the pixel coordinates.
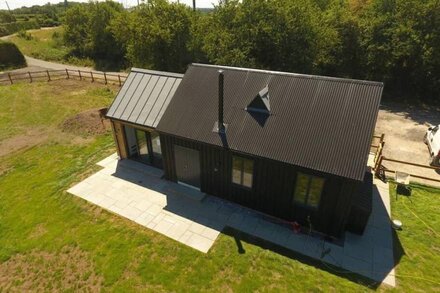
(404, 128)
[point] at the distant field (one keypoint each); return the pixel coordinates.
(43, 46)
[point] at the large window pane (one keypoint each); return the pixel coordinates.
(248, 172)
(237, 164)
(142, 146)
(302, 184)
(315, 191)
(308, 190)
(155, 141)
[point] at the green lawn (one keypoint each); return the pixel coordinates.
(50, 239)
(43, 46)
(419, 240)
(43, 106)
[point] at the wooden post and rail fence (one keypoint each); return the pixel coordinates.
(49, 75)
(380, 170)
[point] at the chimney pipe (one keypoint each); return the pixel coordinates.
(221, 126)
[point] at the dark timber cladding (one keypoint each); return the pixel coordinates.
(144, 97)
(273, 187)
(319, 123)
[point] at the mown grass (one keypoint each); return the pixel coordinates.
(38, 217)
(128, 257)
(43, 46)
(418, 243)
(46, 105)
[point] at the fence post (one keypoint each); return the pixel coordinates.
(119, 78)
(30, 77)
(379, 168)
(67, 73)
(91, 74)
(10, 78)
(105, 78)
(48, 75)
(79, 73)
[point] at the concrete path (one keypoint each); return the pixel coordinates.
(33, 62)
(38, 64)
(5, 38)
(137, 192)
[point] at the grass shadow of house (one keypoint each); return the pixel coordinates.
(241, 237)
(217, 214)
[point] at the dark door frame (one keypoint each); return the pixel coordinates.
(153, 161)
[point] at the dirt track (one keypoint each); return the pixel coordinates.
(404, 128)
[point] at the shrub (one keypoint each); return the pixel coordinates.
(24, 35)
(6, 17)
(13, 27)
(10, 56)
(57, 39)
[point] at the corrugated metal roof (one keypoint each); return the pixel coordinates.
(144, 96)
(320, 123)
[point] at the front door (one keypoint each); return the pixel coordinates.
(187, 166)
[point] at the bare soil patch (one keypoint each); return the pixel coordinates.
(86, 123)
(39, 271)
(38, 231)
(32, 138)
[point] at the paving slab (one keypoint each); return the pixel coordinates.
(137, 192)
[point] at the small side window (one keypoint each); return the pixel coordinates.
(242, 171)
(308, 190)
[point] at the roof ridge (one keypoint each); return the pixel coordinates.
(156, 72)
(300, 75)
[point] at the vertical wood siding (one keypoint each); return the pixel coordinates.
(273, 186)
(119, 136)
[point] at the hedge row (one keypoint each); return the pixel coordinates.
(10, 56)
(13, 27)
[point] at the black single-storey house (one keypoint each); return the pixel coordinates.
(289, 145)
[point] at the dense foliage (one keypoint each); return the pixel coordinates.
(88, 31)
(34, 17)
(6, 17)
(13, 27)
(26, 18)
(394, 41)
(10, 56)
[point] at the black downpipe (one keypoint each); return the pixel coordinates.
(221, 127)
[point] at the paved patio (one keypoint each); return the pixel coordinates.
(137, 192)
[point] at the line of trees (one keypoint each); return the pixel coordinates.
(34, 17)
(395, 41)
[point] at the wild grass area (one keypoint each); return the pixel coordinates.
(41, 44)
(50, 239)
